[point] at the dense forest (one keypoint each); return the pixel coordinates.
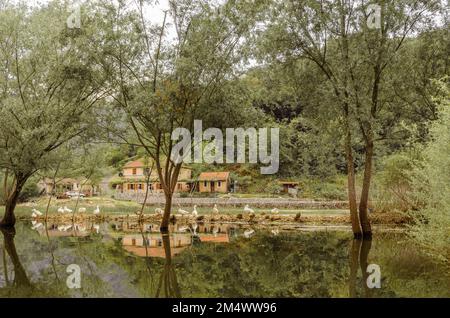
(362, 106)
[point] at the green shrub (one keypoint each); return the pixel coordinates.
(30, 190)
(391, 190)
(431, 185)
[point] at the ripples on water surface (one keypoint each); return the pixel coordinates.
(120, 260)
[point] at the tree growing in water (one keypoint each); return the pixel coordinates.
(47, 91)
(158, 84)
(354, 48)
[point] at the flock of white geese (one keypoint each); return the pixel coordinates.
(215, 210)
(65, 210)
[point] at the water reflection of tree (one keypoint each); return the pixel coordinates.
(359, 253)
(147, 259)
(168, 283)
(20, 276)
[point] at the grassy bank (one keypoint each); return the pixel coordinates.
(115, 207)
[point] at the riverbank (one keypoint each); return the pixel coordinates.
(118, 210)
(233, 201)
(393, 219)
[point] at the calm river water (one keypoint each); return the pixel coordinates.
(126, 260)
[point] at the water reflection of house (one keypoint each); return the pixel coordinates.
(151, 245)
(214, 238)
(85, 186)
(217, 228)
(54, 232)
(133, 178)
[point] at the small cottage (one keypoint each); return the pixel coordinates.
(210, 182)
(62, 185)
(289, 186)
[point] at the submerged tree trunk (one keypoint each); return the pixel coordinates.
(9, 219)
(167, 207)
(354, 264)
(356, 227)
(170, 181)
(363, 261)
(20, 276)
(168, 281)
(363, 203)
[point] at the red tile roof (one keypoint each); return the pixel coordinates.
(140, 164)
(135, 164)
(214, 176)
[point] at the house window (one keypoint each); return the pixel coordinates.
(131, 186)
(179, 186)
(219, 183)
(134, 171)
(140, 186)
(205, 184)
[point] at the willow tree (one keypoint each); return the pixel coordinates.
(353, 44)
(47, 92)
(162, 77)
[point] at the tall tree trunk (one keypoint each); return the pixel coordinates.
(356, 227)
(170, 181)
(363, 203)
(5, 186)
(167, 207)
(9, 219)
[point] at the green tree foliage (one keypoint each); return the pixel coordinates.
(159, 84)
(431, 182)
(47, 91)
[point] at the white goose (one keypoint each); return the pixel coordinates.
(194, 229)
(67, 210)
(60, 210)
(96, 227)
(248, 209)
(249, 233)
(183, 212)
(36, 213)
(195, 213)
(275, 211)
(37, 226)
(81, 210)
(215, 209)
(275, 232)
(64, 228)
(80, 228)
(159, 211)
(97, 210)
(183, 228)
